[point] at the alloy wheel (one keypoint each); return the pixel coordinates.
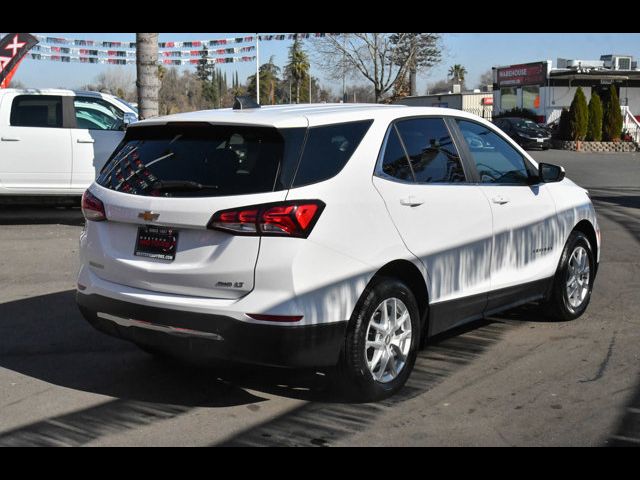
(578, 274)
(388, 340)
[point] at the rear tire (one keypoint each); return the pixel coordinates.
(382, 341)
(573, 282)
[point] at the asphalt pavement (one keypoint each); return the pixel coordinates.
(513, 379)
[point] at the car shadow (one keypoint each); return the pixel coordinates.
(41, 215)
(46, 338)
(326, 421)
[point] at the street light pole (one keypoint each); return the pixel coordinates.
(257, 69)
(344, 68)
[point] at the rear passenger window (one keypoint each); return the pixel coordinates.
(433, 156)
(327, 150)
(395, 163)
(36, 111)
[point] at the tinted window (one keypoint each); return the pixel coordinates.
(394, 162)
(37, 111)
(202, 160)
(97, 114)
(327, 150)
(495, 159)
(525, 124)
(433, 156)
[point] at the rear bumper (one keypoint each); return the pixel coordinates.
(214, 336)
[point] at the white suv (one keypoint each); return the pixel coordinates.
(322, 235)
(53, 142)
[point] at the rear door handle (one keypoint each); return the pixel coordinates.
(85, 140)
(411, 201)
(10, 139)
(500, 200)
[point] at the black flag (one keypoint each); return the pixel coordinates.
(12, 48)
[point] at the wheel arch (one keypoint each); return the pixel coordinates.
(585, 227)
(408, 273)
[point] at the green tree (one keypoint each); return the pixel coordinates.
(457, 73)
(578, 116)
(564, 126)
(203, 69)
(269, 81)
(594, 130)
(298, 67)
(208, 76)
(612, 121)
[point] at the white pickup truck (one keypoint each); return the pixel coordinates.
(53, 142)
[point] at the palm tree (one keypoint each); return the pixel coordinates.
(268, 82)
(298, 66)
(148, 82)
(457, 73)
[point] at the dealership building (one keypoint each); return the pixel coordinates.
(546, 90)
(477, 102)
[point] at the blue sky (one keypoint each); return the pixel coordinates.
(478, 52)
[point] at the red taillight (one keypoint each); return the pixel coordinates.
(295, 218)
(92, 207)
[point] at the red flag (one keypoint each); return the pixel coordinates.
(13, 47)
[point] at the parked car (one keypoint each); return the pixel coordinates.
(52, 142)
(324, 235)
(527, 133)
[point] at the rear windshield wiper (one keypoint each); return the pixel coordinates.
(181, 185)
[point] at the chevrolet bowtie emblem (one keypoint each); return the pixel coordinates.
(148, 216)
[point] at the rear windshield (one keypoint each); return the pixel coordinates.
(203, 160)
(188, 160)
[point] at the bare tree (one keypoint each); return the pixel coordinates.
(360, 94)
(147, 70)
(440, 86)
(117, 81)
(420, 51)
(486, 79)
(373, 56)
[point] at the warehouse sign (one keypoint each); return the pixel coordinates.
(526, 74)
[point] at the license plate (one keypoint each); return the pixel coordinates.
(157, 242)
(539, 140)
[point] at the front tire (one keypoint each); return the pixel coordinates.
(382, 341)
(573, 282)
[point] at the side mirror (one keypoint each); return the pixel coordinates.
(550, 173)
(129, 118)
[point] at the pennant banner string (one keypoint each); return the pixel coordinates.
(85, 52)
(182, 44)
(132, 61)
